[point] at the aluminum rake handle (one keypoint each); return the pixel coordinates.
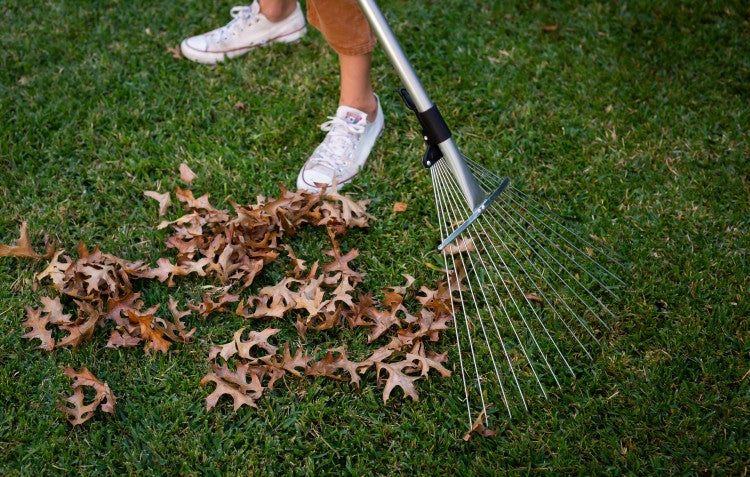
(469, 188)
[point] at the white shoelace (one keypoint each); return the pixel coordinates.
(335, 152)
(241, 14)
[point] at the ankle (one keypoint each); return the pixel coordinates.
(277, 10)
(368, 106)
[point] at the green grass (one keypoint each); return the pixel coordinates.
(631, 120)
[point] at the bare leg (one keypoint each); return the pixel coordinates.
(356, 84)
(277, 10)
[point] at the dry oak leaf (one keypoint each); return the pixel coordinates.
(255, 339)
(330, 364)
(433, 361)
(298, 264)
(81, 412)
(208, 306)
(164, 200)
(397, 378)
(282, 297)
(479, 427)
(399, 206)
(96, 274)
(175, 52)
(38, 325)
(461, 245)
(186, 195)
(54, 308)
(84, 325)
(243, 348)
(409, 282)
(383, 321)
(312, 305)
(341, 263)
(123, 339)
(239, 397)
(22, 248)
(56, 269)
(299, 360)
(150, 329)
(186, 174)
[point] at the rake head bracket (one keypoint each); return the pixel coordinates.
(434, 129)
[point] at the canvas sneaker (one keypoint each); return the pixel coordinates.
(248, 29)
(344, 150)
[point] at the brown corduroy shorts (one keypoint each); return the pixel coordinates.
(343, 25)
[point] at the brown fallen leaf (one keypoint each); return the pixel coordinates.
(240, 106)
(291, 363)
(336, 359)
(461, 245)
(84, 326)
(396, 378)
(549, 28)
(38, 324)
(479, 427)
(175, 52)
(399, 206)
(54, 308)
(82, 412)
(534, 298)
(234, 391)
(186, 174)
(23, 247)
(409, 282)
(164, 200)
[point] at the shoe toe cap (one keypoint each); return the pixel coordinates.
(197, 43)
(309, 178)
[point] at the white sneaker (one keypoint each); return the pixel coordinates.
(248, 29)
(344, 150)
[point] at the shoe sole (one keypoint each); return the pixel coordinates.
(213, 57)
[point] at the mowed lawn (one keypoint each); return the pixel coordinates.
(629, 119)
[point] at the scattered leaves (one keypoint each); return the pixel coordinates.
(479, 427)
(80, 412)
(233, 247)
(164, 200)
(23, 248)
(186, 174)
(175, 52)
(399, 206)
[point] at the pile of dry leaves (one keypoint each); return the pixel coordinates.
(234, 247)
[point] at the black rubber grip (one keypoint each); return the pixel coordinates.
(434, 125)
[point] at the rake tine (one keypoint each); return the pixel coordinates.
(552, 257)
(549, 367)
(480, 170)
(479, 318)
(482, 180)
(485, 172)
(444, 229)
(580, 320)
(453, 312)
(454, 192)
(528, 302)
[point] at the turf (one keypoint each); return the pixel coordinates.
(629, 118)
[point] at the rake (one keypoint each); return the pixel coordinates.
(526, 289)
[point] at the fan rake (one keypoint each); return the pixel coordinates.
(527, 291)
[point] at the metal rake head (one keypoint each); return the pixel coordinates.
(528, 291)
